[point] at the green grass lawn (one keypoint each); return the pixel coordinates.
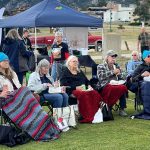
(120, 134)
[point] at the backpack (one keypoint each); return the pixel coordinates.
(10, 136)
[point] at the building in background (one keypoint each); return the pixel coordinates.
(118, 13)
(113, 11)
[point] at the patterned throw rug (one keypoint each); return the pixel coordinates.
(26, 112)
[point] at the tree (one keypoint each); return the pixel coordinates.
(143, 10)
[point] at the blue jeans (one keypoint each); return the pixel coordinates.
(56, 70)
(122, 102)
(57, 100)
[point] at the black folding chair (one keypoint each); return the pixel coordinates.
(86, 61)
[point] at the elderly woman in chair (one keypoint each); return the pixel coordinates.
(77, 85)
(22, 107)
(40, 81)
(106, 72)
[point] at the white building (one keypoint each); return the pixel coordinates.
(119, 13)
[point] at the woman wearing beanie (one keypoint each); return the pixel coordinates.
(21, 106)
(15, 49)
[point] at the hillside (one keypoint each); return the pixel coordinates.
(83, 4)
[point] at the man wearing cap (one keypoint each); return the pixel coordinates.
(60, 53)
(108, 71)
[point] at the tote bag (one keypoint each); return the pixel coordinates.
(65, 113)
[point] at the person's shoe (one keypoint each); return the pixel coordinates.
(122, 113)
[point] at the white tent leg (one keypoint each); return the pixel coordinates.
(35, 47)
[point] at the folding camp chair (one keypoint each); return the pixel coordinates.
(43, 101)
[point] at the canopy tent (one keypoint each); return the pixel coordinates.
(51, 13)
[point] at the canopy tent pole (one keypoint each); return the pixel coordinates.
(35, 47)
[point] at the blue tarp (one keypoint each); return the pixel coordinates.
(51, 13)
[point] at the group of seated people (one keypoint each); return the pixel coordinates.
(24, 109)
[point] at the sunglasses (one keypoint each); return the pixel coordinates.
(113, 56)
(134, 55)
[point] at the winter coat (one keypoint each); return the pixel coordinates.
(35, 83)
(139, 70)
(18, 56)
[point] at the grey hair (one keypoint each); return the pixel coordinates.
(42, 63)
(13, 34)
(68, 61)
(58, 33)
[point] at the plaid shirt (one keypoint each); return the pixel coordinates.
(144, 38)
(105, 75)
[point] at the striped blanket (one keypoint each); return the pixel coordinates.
(25, 111)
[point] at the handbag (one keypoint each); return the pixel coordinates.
(107, 112)
(64, 114)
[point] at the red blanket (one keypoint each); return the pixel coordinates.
(111, 93)
(88, 104)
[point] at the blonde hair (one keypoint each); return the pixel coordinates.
(68, 61)
(8, 73)
(13, 34)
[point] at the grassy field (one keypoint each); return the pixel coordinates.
(120, 134)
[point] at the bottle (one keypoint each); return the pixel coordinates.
(83, 86)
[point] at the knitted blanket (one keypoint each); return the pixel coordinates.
(26, 112)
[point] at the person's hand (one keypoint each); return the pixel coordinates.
(5, 91)
(56, 84)
(63, 89)
(80, 88)
(116, 71)
(56, 54)
(49, 85)
(145, 74)
(90, 88)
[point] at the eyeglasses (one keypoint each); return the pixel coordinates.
(113, 56)
(74, 61)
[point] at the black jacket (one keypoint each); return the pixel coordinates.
(139, 70)
(68, 79)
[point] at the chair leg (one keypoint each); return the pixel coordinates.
(50, 112)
